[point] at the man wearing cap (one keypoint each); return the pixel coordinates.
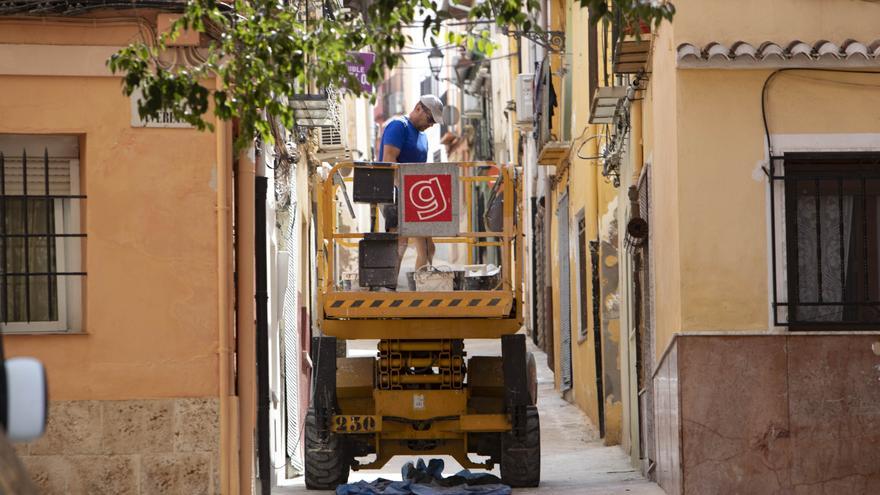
(404, 141)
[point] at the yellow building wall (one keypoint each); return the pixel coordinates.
(731, 242)
(591, 194)
(705, 141)
(780, 21)
(661, 149)
(582, 190)
(151, 293)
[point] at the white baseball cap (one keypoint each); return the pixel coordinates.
(433, 104)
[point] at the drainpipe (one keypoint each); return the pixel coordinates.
(262, 297)
(245, 316)
(636, 140)
(225, 312)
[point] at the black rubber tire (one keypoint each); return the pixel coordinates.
(521, 456)
(326, 460)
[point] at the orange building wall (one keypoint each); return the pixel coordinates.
(150, 326)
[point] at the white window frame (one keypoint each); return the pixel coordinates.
(798, 143)
(68, 257)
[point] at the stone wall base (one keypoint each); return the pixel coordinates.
(769, 414)
(137, 447)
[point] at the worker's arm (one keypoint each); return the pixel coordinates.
(390, 153)
(393, 139)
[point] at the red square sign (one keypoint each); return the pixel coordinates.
(427, 198)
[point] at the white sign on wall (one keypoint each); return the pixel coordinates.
(164, 119)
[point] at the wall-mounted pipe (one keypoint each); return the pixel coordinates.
(261, 296)
(225, 311)
(245, 316)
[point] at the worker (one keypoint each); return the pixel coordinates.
(404, 141)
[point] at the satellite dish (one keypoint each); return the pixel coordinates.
(451, 115)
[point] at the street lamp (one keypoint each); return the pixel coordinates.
(435, 60)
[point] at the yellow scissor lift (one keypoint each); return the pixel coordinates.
(422, 395)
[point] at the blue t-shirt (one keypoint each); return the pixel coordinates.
(402, 134)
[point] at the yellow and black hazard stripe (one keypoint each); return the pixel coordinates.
(393, 303)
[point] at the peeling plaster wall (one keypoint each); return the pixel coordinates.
(581, 180)
(609, 297)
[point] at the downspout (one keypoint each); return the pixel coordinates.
(262, 298)
(4, 402)
(636, 140)
(245, 316)
(225, 304)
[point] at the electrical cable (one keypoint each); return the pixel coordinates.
(831, 81)
(461, 23)
(766, 87)
(474, 62)
(578, 152)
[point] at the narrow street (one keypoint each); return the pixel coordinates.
(573, 459)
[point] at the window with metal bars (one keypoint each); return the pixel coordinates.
(40, 243)
(826, 238)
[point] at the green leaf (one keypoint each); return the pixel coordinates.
(262, 52)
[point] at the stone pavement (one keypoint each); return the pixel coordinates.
(573, 459)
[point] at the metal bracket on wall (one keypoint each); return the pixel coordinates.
(554, 41)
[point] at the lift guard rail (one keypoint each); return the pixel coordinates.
(487, 310)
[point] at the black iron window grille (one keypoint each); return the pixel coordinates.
(39, 249)
(825, 228)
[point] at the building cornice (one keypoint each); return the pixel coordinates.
(798, 54)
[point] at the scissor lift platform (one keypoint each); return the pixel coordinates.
(422, 394)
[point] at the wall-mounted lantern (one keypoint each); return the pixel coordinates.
(435, 61)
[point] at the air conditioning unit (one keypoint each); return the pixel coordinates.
(525, 101)
(331, 145)
(473, 107)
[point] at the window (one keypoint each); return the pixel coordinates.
(582, 271)
(830, 244)
(593, 56)
(429, 86)
(40, 243)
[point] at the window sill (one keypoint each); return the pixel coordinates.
(58, 332)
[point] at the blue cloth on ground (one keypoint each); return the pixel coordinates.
(403, 135)
(421, 479)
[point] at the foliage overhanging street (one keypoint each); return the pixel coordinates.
(263, 52)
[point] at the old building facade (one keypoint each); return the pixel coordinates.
(720, 167)
(133, 320)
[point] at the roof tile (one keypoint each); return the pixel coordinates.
(795, 53)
